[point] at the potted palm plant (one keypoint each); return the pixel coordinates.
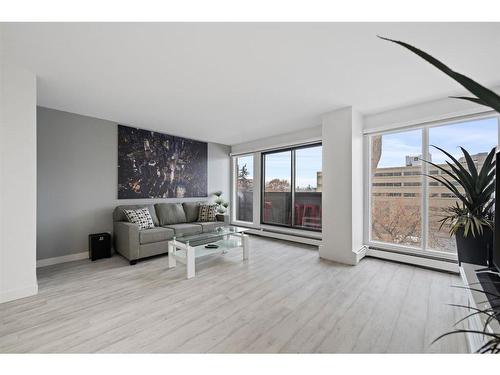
(471, 218)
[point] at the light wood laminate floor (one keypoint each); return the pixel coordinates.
(284, 299)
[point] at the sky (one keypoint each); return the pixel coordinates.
(278, 165)
(475, 136)
(308, 161)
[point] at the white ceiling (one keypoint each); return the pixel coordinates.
(232, 83)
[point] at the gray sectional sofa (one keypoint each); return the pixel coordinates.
(170, 219)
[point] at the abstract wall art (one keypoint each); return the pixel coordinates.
(157, 165)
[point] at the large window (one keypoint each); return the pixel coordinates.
(396, 213)
(406, 206)
(292, 187)
(244, 188)
(478, 138)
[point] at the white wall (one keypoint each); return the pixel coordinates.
(342, 186)
(78, 178)
(1, 160)
(18, 183)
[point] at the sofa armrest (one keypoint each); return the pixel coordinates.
(127, 239)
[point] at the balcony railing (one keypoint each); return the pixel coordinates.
(244, 205)
(276, 209)
(307, 210)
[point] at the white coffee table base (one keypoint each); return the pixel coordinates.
(189, 260)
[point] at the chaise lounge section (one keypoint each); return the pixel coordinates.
(170, 219)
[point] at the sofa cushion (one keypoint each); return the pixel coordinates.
(185, 229)
(119, 213)
(191, 209)
(210, 226)
(140, 217)
(155, 235)
(170, 213)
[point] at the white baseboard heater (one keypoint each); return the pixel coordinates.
(285, 236)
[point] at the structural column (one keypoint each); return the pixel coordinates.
(342, 194)
(18, 182)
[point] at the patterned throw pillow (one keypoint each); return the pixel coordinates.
(207, 212)
(141, 217)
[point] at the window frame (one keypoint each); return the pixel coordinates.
(292, 150)
(234, 188)
(423, 250)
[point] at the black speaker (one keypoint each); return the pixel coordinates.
(99, 246)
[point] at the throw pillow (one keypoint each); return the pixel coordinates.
(207, 213)
(141, 217)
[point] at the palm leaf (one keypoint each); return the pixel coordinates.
(489, 205)
(459, 176)
(476, 290)
(487, 192)
(479, 312)
(486, 96)
(486, 169)
(470, 163)
(465, 331)
(492, 339)
(457, 163)
(453, 189)
(474, 100)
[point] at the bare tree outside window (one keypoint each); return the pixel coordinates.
(244, 188)
(277, 185)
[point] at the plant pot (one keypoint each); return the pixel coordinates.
(474, 250)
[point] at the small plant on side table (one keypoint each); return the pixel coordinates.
(222, 205)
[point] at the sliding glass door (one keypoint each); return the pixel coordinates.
(277, 197)
(307, 195)
(291, 191)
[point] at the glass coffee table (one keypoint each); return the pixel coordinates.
(187, 249)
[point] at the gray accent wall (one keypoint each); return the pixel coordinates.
(77, 180)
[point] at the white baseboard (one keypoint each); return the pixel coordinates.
(62, 259)
(360, 253)
(286, 237)
(441, 265)
(26, 291)
(349, 258)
